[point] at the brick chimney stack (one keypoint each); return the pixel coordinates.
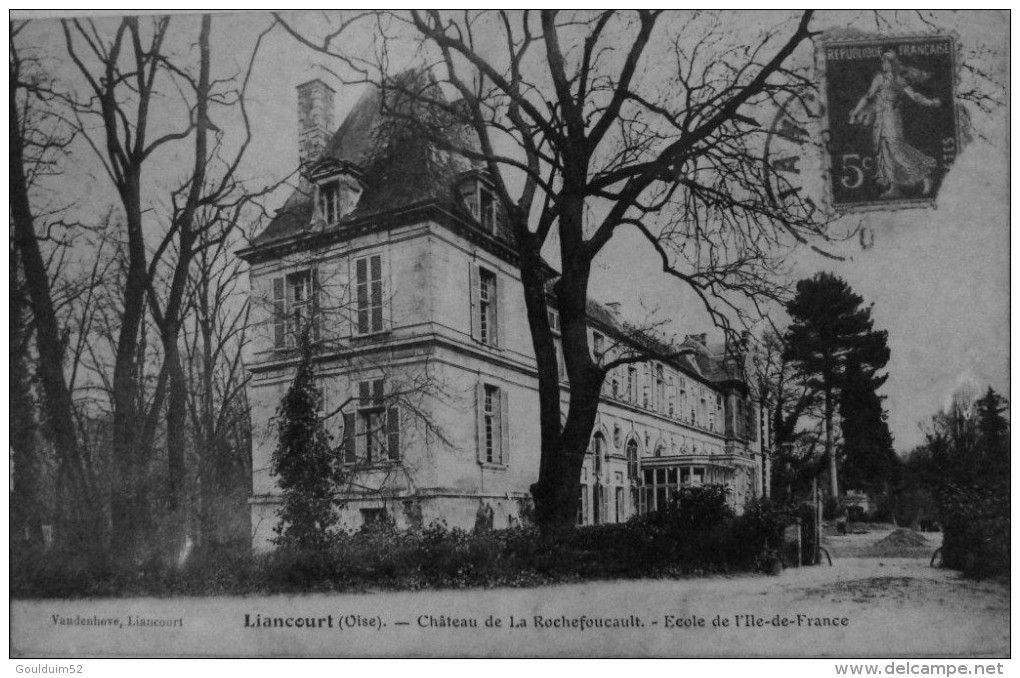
(315, 119)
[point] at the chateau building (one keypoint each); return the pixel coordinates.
(391, 258)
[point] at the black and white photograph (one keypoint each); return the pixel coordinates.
(511, 333)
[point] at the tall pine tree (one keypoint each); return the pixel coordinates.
(993, 437)
(305, 464)
(830, 326)
(869, 462)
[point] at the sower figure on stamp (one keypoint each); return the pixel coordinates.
(900, 165)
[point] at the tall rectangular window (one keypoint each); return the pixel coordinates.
(329, 202)
(493, 425)
(370, 414)
(598, 344)
(294, 309)
(486, 306)
(659, 399)
(582, 505)
(369, 294)
(372, 432)
(484, 292)
(682, 406)
(632, 384)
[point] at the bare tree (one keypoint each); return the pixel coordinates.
(127, 67)
(791, 404)
(36, 140)
(593, 122)
(215, 336)
(26, 457)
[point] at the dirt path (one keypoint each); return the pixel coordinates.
(859, 607)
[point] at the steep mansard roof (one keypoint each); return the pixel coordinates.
(399, 166)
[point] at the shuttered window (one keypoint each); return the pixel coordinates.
(372, 433)
(368, 291)
(485, 306)
(493, 425)
(295, 308)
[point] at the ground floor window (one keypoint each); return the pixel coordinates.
(659, 484)
(582, 505)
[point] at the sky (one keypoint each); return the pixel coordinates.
(938, 277)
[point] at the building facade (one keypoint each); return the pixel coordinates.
(391, 259)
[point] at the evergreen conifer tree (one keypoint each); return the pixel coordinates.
(869, 462)
(993, 437)
(830, 327)
(305, 464)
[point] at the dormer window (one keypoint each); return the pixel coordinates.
(598, 344)
(480, 202)
(338, 188)
(554, 321)
(329, 202)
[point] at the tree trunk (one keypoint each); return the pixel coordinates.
(207, 446)
(26, 506)
(78, 511)
(829, 447)
(556, 493)
(543, 492)
(129, 505)
(176, 442)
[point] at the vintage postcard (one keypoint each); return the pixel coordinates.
(510, 334)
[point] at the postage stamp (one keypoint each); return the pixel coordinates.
(891, 119)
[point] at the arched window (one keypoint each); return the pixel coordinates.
(660, 449)
(632, 459)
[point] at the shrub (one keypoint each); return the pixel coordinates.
(757, 534)
(976, 530)
(699, 509)
(698, 533)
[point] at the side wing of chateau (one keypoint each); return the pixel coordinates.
(392, 259)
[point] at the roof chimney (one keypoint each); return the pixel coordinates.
(315, 119)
